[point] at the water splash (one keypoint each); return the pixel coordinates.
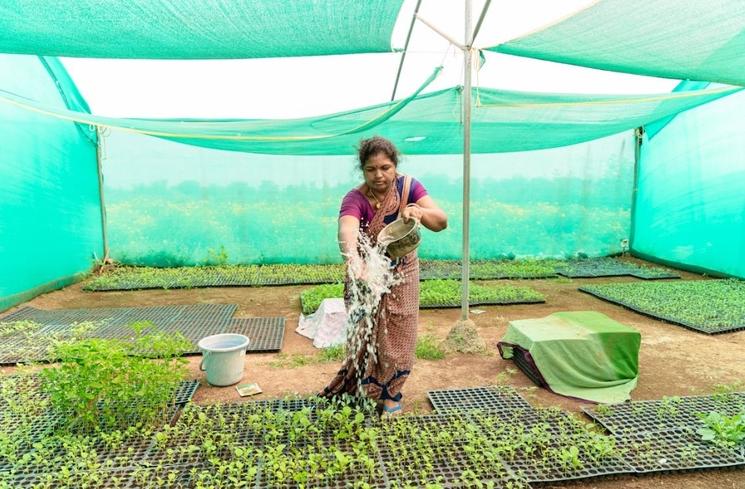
(368, 279)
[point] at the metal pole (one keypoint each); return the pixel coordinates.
(104, 230)
(440, 32)
(478, 24)
(406, 46)
(638, 140)
(466, 162)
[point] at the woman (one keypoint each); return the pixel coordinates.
(367, 209)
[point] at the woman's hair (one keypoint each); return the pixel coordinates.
(374, 145)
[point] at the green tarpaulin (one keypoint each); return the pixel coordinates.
(692, 40)
(196, 29)
(583, 354)
(503, 121)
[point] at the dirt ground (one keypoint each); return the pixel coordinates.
(673, 360)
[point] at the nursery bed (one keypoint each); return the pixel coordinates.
(610, 267)
(437, 294)
(707, 306)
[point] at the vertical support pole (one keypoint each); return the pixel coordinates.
(102, 202)
(638, 139)
(466, 94)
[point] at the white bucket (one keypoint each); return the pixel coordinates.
(222, 358)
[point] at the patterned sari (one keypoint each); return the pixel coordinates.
(394, 325)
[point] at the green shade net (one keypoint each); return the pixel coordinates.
(503, 121)
(696, 40)
(690, 203)
(196, 29)
(174, 204)
(584, 354)
(653, 128)
(50, 217)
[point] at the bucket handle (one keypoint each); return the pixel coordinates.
(204, 357)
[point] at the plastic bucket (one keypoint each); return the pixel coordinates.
(222, 357)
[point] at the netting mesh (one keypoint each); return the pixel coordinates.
(172, 204)
(702, 40)
(195, 29)
(690, 206)
(50, 221)
(422, 123)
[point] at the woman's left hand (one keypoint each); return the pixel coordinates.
(412, 211)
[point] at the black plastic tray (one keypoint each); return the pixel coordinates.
(668, 319)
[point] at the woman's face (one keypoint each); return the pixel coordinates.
(380, 172)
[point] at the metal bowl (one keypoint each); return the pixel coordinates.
(400, 237)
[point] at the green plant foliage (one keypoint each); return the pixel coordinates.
(710, 305)
(668, 406)
(215, 272)
(325, 444)
(489, 269)
(26, 341)
(333, 353)
(310, 299)
(217, 256)
(12, 328)
(296, 360)
(609, 267)
(527, 268)
(105, 383)
(428, 348)
(723, 430)
(433, 293)
(157, 221)
(448, 292)
(724, 393)
(604, 409)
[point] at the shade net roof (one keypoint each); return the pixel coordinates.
(196, 29)
(700, 40)
(503, 121)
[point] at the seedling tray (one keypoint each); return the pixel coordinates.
(272, 275)
(185, 391)
(448, 449)
(47, 420)
(558, 430)
(265, 334)
(354, 473)
(249, 276)
(456, 304)
(194, 322)
(479, 270)
(484, 398)
(675, 450)
(123, 316)
(640, 417)
(646, 312)
(106, 481)
(609, 267)
(448, 305)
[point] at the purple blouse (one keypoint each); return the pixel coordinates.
(356, 204)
